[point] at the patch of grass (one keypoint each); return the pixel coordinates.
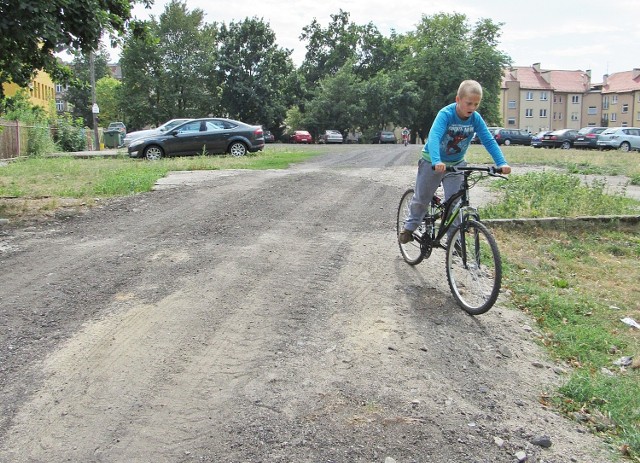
(608, 162)
(34, 179)
(550, 194)
(578, 284)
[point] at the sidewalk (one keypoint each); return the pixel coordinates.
(93, 154)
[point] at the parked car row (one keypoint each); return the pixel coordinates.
(622, 138)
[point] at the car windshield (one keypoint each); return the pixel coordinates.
(170, 125)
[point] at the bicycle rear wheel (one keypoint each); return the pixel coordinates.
(411, 251)
(474, 267)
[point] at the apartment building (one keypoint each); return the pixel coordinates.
(41, 90)
(536, 99)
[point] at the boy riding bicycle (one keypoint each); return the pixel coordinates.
(405, 136)
(446, 145)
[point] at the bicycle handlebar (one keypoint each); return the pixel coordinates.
(491, 170)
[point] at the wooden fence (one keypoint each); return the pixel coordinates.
(13, 139)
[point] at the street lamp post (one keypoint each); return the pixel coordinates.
(94, 107)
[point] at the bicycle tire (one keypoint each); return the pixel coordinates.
(475, 284)
(411, 251)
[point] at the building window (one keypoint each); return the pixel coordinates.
(614, 117)
(543, 113)
(59, 106)
(592, 111)
(614, 99)
(543, 96)
(529, 113)
(557, 98)
(605, 102)
(574, 116)
(559, 116)
(575, 99)
(624, 124)
(529, 96)
(512, 104)
(511, 121)
(638, 116)
(625, 108)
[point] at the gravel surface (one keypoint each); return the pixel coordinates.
(262, 316)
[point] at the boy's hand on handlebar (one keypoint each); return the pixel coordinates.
(440, 167)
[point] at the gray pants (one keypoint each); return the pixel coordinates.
(427, 182)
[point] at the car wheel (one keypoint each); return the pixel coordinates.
(237, 148)
(507, 142)
(565, 145)
(625, 146)
(153, 153)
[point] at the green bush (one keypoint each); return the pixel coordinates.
(68, 134)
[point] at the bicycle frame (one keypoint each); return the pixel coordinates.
(457, 204)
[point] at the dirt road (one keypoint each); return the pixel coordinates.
(262, 316)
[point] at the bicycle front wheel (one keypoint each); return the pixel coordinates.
(474, 268)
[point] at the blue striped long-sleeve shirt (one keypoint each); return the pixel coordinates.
(450, 136)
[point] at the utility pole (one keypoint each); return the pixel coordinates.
(94, 106)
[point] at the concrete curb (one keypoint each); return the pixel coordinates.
(564, 222)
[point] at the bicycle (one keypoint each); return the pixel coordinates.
(473, 263)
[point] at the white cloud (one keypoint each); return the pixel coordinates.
(567, 34)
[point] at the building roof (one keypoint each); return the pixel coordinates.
(527, 76)
(570, 81)
(620, 82)
(532, 77)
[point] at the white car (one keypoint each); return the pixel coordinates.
(623, 138)
(146, 133)
(331, 136)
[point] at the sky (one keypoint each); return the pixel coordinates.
(561, 35)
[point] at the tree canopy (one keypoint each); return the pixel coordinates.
(32, 31)
(177, 65)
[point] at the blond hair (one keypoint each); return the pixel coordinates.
(469, 87)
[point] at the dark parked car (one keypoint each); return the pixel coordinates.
(588, 137)
(536, 140)
(268, 137)
(512, 137)
(119, 126)
(562, 138)
(146, 133)
(492, 130)
(197, 136)
(384, 137)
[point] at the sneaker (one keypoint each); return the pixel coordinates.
(405, 236)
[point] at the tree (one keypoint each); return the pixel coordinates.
(336, 103)
(487, 64)
(169, 70)
(79, 93)
(343, 41)
(108, 99)
(329, 49)
(32, 31)
(254, 73)
(389, 98)
(442, 52)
